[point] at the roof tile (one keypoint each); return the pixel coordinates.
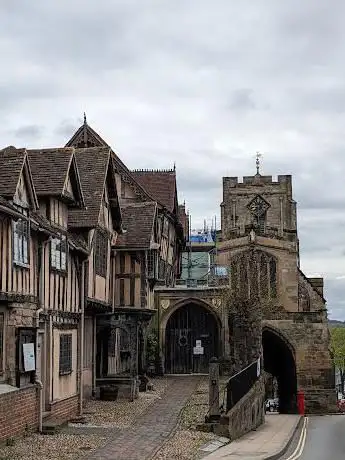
(11, 164)
(138, 223)
(161, 185)
(92, 165)
(49, 168)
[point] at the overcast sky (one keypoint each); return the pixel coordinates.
(203, 83)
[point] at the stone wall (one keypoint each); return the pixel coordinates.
(235, 215)
(308, 335)
(19, 315)
(246, 415)
(19, 412)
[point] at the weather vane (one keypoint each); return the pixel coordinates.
(257, 161)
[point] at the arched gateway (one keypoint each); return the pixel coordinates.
(279, 361)
(191, 339)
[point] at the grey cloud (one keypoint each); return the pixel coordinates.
(66, 128)
(205, 86)
(28, 132)
(242, 99)
(334, 292)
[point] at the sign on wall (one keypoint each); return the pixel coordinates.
(29, 357)
(198, 349)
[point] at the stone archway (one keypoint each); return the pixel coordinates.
(279, 361)
(192, 338)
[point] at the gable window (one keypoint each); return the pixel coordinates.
(2, 334)
(165, 227)
(101, 253)
(58, 251)
(65, 362)
(21, 234)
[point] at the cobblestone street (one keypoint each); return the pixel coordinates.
(155, 426)
(148, 434)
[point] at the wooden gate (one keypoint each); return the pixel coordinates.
(191, 340)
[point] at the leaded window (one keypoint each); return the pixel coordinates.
(65, 362)
(101, 254)
(165, 227)
(21, 237)
(58, 253)
(152, 264)
(161, 269)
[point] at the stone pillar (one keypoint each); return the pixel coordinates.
(214, 413)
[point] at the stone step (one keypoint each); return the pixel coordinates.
(52, 426)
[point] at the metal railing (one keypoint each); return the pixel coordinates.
(236, 387)
(239, 384)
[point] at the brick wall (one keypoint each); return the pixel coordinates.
(18, 412)
(65, 409)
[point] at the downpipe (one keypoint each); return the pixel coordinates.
(40, 410)
(38, 382)
(82, 319)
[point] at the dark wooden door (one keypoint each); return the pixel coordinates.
(191, 340)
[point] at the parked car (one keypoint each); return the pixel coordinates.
(272, 405)
(341, 405)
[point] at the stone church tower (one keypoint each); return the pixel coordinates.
(258, 216)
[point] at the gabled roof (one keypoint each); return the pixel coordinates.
(161, 185)
(85, 137)
(12, 163)
(306, 279)
(138, 226)
(51, 169)
(95, 167)
(9, 209)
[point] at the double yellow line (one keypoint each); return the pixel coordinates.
(301, 442)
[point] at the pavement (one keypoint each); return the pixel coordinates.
(269, 442)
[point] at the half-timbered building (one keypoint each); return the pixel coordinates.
(146, 253)
(20, 236)
(100, 222)
(61, 278)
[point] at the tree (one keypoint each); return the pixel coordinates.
(338, 350)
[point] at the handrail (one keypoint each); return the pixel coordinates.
(239, 384)
(226, 386)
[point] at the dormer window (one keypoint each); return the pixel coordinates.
(58, 252)
(21, 236)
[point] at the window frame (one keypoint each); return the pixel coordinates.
(101, 253)
(66, 340)
(20, 250)
(54, 264)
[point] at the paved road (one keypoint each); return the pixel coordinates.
(325, 439)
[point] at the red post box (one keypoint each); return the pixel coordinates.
(300, 402)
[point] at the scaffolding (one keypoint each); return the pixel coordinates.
(199, 262)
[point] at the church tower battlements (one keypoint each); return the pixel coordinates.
(261, 203)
